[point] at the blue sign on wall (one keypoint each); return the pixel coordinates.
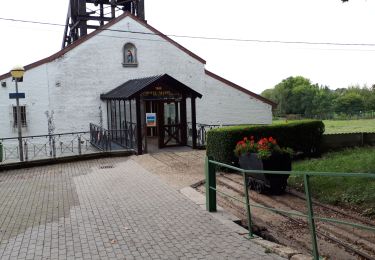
(16, 95)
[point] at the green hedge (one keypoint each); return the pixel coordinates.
(302, 136)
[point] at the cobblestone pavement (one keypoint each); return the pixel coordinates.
(108, 209)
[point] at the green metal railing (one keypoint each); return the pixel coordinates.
(210, 171)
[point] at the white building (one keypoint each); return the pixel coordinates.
(71, 83)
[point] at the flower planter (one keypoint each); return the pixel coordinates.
(259, 181)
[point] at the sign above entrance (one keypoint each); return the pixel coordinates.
(151, 119)
(159, 93)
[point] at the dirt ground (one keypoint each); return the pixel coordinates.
(178, 168)
(294, 231)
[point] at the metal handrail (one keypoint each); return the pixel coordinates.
(52, 146)
(37, 136)
(210, 171)
(301, 173)
(202, 130)
(102, 138)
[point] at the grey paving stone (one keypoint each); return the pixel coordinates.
(80, 211)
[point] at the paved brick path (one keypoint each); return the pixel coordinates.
(86, 211)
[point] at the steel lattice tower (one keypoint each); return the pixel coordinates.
(84, 15)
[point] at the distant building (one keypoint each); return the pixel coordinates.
(108, 76)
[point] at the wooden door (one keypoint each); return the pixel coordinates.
(170, 124)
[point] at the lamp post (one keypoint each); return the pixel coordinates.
(17, 73)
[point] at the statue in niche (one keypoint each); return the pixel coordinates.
(129, 57)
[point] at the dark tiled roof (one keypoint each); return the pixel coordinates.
(131, 88)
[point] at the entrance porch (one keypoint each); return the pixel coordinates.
(151, 111)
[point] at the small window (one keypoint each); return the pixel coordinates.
(23, 116)
(130, 55)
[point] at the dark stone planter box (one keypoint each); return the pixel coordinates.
(276, 162)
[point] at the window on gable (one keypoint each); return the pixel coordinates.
(23, 116)
(130, 55)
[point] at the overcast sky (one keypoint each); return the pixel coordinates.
(255, 66)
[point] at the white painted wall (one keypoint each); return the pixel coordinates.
(35, 88)
(223, 104)
(71, 85)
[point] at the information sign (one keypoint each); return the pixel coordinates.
(151, 119)
(16, 95)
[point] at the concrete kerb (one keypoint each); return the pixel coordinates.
(229, 220)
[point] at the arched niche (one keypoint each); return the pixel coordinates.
(130, 55)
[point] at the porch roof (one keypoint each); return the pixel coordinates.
(135, 87)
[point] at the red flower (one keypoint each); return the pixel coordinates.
(271, 140)
(264, 147)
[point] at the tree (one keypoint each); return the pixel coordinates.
(370, 103)
(293, 95)
(367, 94)
(349, 103)
(296, 95)
(269, 94)
(301, 101)
(323, 103)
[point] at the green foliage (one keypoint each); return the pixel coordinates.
(347, 191)
(349, 103)
(323, 102)
(288, 94)
(297, 95)
(301, 136)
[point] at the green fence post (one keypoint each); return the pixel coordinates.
(210, 173)
(310, 213)
(247, 204)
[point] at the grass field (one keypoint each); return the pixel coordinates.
(349, 191)
(344, 126)
(349, 126)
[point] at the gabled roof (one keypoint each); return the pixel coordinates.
(100, 29)
(233, 85)
(116, 20)
(134, 87)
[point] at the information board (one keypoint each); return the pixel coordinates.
(151, 119)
